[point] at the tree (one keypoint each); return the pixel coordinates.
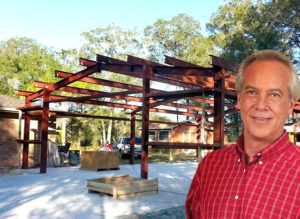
(179, 37)
(23, 60)
(115, 42)
(239, 28)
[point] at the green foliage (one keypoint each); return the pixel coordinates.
(179, 37)
(112, 41)
(240, 27)
(23, 60)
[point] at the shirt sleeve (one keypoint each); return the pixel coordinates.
(192, 204)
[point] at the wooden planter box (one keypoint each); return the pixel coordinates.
(121, 187)
(100, 160)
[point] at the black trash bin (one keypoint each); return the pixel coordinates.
(74, 157)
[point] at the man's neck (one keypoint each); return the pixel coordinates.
(253, 146)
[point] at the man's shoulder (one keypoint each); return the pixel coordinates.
(296, 152)
(219, 153)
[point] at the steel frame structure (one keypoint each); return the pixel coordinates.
(193, 80)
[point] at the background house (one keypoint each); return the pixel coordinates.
(11, 128)
(185, 132)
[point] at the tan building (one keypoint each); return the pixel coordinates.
(11, 128)
(185, 132)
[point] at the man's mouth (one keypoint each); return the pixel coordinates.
(261, 118)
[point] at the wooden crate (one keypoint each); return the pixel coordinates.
(121, 187)
(100, 160)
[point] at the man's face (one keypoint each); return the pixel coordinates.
(264, 100)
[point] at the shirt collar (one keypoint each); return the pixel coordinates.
(274, 149)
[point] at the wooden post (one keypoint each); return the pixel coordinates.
(147, 71)
(26, 136)
(198, 154)
(132, 136)
(295, 116)
(45, 126)
(219, 96)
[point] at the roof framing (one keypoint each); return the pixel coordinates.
(193, 81)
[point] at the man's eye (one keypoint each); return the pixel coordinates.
(275, 95)
(250, 92)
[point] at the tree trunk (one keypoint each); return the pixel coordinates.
(103, 131)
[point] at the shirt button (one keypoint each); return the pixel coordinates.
(259, 154)
(260, 162)
(244, 170)
(239, 160)
(236, 197)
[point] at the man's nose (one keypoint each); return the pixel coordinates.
(261, 102)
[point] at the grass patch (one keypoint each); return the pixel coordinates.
(156, 155)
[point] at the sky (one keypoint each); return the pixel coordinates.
(58, 23)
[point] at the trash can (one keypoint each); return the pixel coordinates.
(74, 157)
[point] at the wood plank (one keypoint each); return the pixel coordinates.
(133, 190)
(101, 189)
(135, 195)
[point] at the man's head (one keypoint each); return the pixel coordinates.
(270, 55)
(267, 85)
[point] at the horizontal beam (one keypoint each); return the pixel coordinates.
(182, 145)
(28, 141)
(179, 63)
(87, 62)
(30, 108)
(98, 81)
(102, 95)
(75, 77)
(228, 65)
(184, 71)
(175, 94)
(68, 114)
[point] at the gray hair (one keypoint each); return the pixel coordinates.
(270, 55)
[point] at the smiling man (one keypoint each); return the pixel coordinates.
(259, 176)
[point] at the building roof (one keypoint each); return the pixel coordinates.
(167, 126)
(10, 102)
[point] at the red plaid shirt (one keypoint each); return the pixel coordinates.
(268, 187)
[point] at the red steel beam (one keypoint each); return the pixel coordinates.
(117, 105)
(175, 94)
(184, 71)
(87, 62)
(103, 82)
(29, 142)
(117, 95)
(178, 63)
(45, 127)
(75, 77)
(30, 108)
(219, 109)
(182, 145)
(161, 79)
(118, 85)
(27, 119)
(132, 136)
(147, 71)
(222, 63)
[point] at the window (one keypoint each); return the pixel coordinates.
(151, 135)
(189, 136)
(163, 135)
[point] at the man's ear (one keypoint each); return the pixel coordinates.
(238, 105)
(291, 105)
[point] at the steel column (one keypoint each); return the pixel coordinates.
(219, 97)
(26, 135)
(132, 136)
(45, 126)
(147, 71)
